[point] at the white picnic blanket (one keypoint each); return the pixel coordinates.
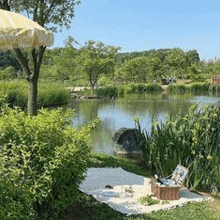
(127, 190)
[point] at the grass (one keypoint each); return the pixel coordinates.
(90, 209)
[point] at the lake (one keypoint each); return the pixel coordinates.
(120, 112)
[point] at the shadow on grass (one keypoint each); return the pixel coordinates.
(130, 164)
(89, 208)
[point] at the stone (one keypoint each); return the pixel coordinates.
(127, 141)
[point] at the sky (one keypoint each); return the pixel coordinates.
(141, 25)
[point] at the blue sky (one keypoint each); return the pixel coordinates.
(148, 24)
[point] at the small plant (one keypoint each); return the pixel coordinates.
(148, 200)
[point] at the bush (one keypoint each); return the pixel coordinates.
(192, 140)
(42, 163)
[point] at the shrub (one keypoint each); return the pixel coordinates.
(192, 140)
(42, 163)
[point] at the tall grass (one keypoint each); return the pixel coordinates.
(197, 86)
(192, 140)
(52, 95)
(15, 93)
(121, 89)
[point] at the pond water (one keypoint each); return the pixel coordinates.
(120, 112)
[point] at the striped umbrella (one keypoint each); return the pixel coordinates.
(19, 31)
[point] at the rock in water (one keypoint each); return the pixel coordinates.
(127, 141)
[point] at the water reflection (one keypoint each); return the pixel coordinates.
(118, 113)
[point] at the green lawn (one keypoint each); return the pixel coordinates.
(89, 208)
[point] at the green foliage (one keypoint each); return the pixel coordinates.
(94, 60)
(99, 64)
(15, 93)
(191, 140)
(8, 73)
(136, 87)
(199, 86)
(140, 69)
(104, 81)
(148, 200)
(8, 59)
(42, 162)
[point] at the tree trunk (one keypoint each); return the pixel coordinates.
(32, 96)
(31, 75)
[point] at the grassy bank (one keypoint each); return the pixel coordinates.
(89, 208)
(193, 87)
(122, 89)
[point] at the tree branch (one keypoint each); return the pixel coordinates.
(24, 62)
(5, 5)
(49, 10)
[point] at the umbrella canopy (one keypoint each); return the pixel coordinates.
(19, 31)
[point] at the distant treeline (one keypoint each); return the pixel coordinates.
(97, 64)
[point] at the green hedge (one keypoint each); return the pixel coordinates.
(42, 163)
(192, 140)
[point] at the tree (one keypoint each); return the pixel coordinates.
(192, 57)
(96, 59)
(175, 62)
(49, 14)
(141, 69)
